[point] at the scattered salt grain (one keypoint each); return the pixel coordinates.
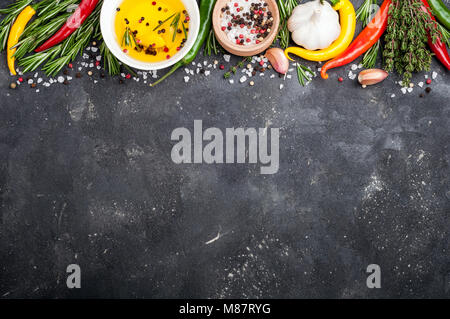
(69, 78)
(39, 80)
(354, 67)
(60, 79)
(191, 72)
(207, 73)
(409, 90)
(36, 75)
(226, 57)
(403, 89)
(37, 91)
(94, 49)
(243, 79)
(434, 75)
(420, 84)
(231, 81)
(289, 76)
(392, 95)
(186, 79)
(186, 70)
(30, 81)
(281, 86)
(98, 58)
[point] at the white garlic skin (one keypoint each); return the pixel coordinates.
(314, 25)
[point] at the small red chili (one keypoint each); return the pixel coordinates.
(261, 63)
(97, 63)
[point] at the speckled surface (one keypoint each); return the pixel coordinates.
(86, 177)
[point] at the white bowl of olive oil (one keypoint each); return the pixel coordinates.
(150, 34)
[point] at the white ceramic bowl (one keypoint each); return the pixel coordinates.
(107, 19)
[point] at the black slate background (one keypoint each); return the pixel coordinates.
(86, 177)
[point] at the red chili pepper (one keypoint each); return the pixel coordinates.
(83, 11)
(363, 42)
(437, 47)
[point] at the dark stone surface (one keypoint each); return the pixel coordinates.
(86, 177)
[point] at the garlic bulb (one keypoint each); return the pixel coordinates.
(314, 25)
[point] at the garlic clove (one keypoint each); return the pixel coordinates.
(372, 76)
(278, 60)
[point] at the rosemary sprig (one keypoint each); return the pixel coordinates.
(39, 35)
(234, 68)
(58, 56)
(211, 45)
(109, 61)
(184, 31)
(364, 14)
(285, 7)
(304, 74)
(162, 22)
(11, 12)
(127, 37)
(445, 38)
(174, 24)
(370, 57)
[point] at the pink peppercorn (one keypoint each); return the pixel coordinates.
(429, 81)
(128, 76)
(70, 65)
(97, 63)
(167, 56)
(154, 3)
(242, 26)
(224, 28)
(166, 49)
(261, 63)
(241, 36)
(236, 4)
(340, 79)
(221, 67)
(20, 79)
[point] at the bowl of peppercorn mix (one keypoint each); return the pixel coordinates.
(246, 27)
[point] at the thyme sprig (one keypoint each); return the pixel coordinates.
(405, 47)
(234, 68)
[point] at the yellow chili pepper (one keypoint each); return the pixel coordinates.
(348, 22)
(15, 33)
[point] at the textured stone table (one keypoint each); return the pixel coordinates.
(86, 177)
